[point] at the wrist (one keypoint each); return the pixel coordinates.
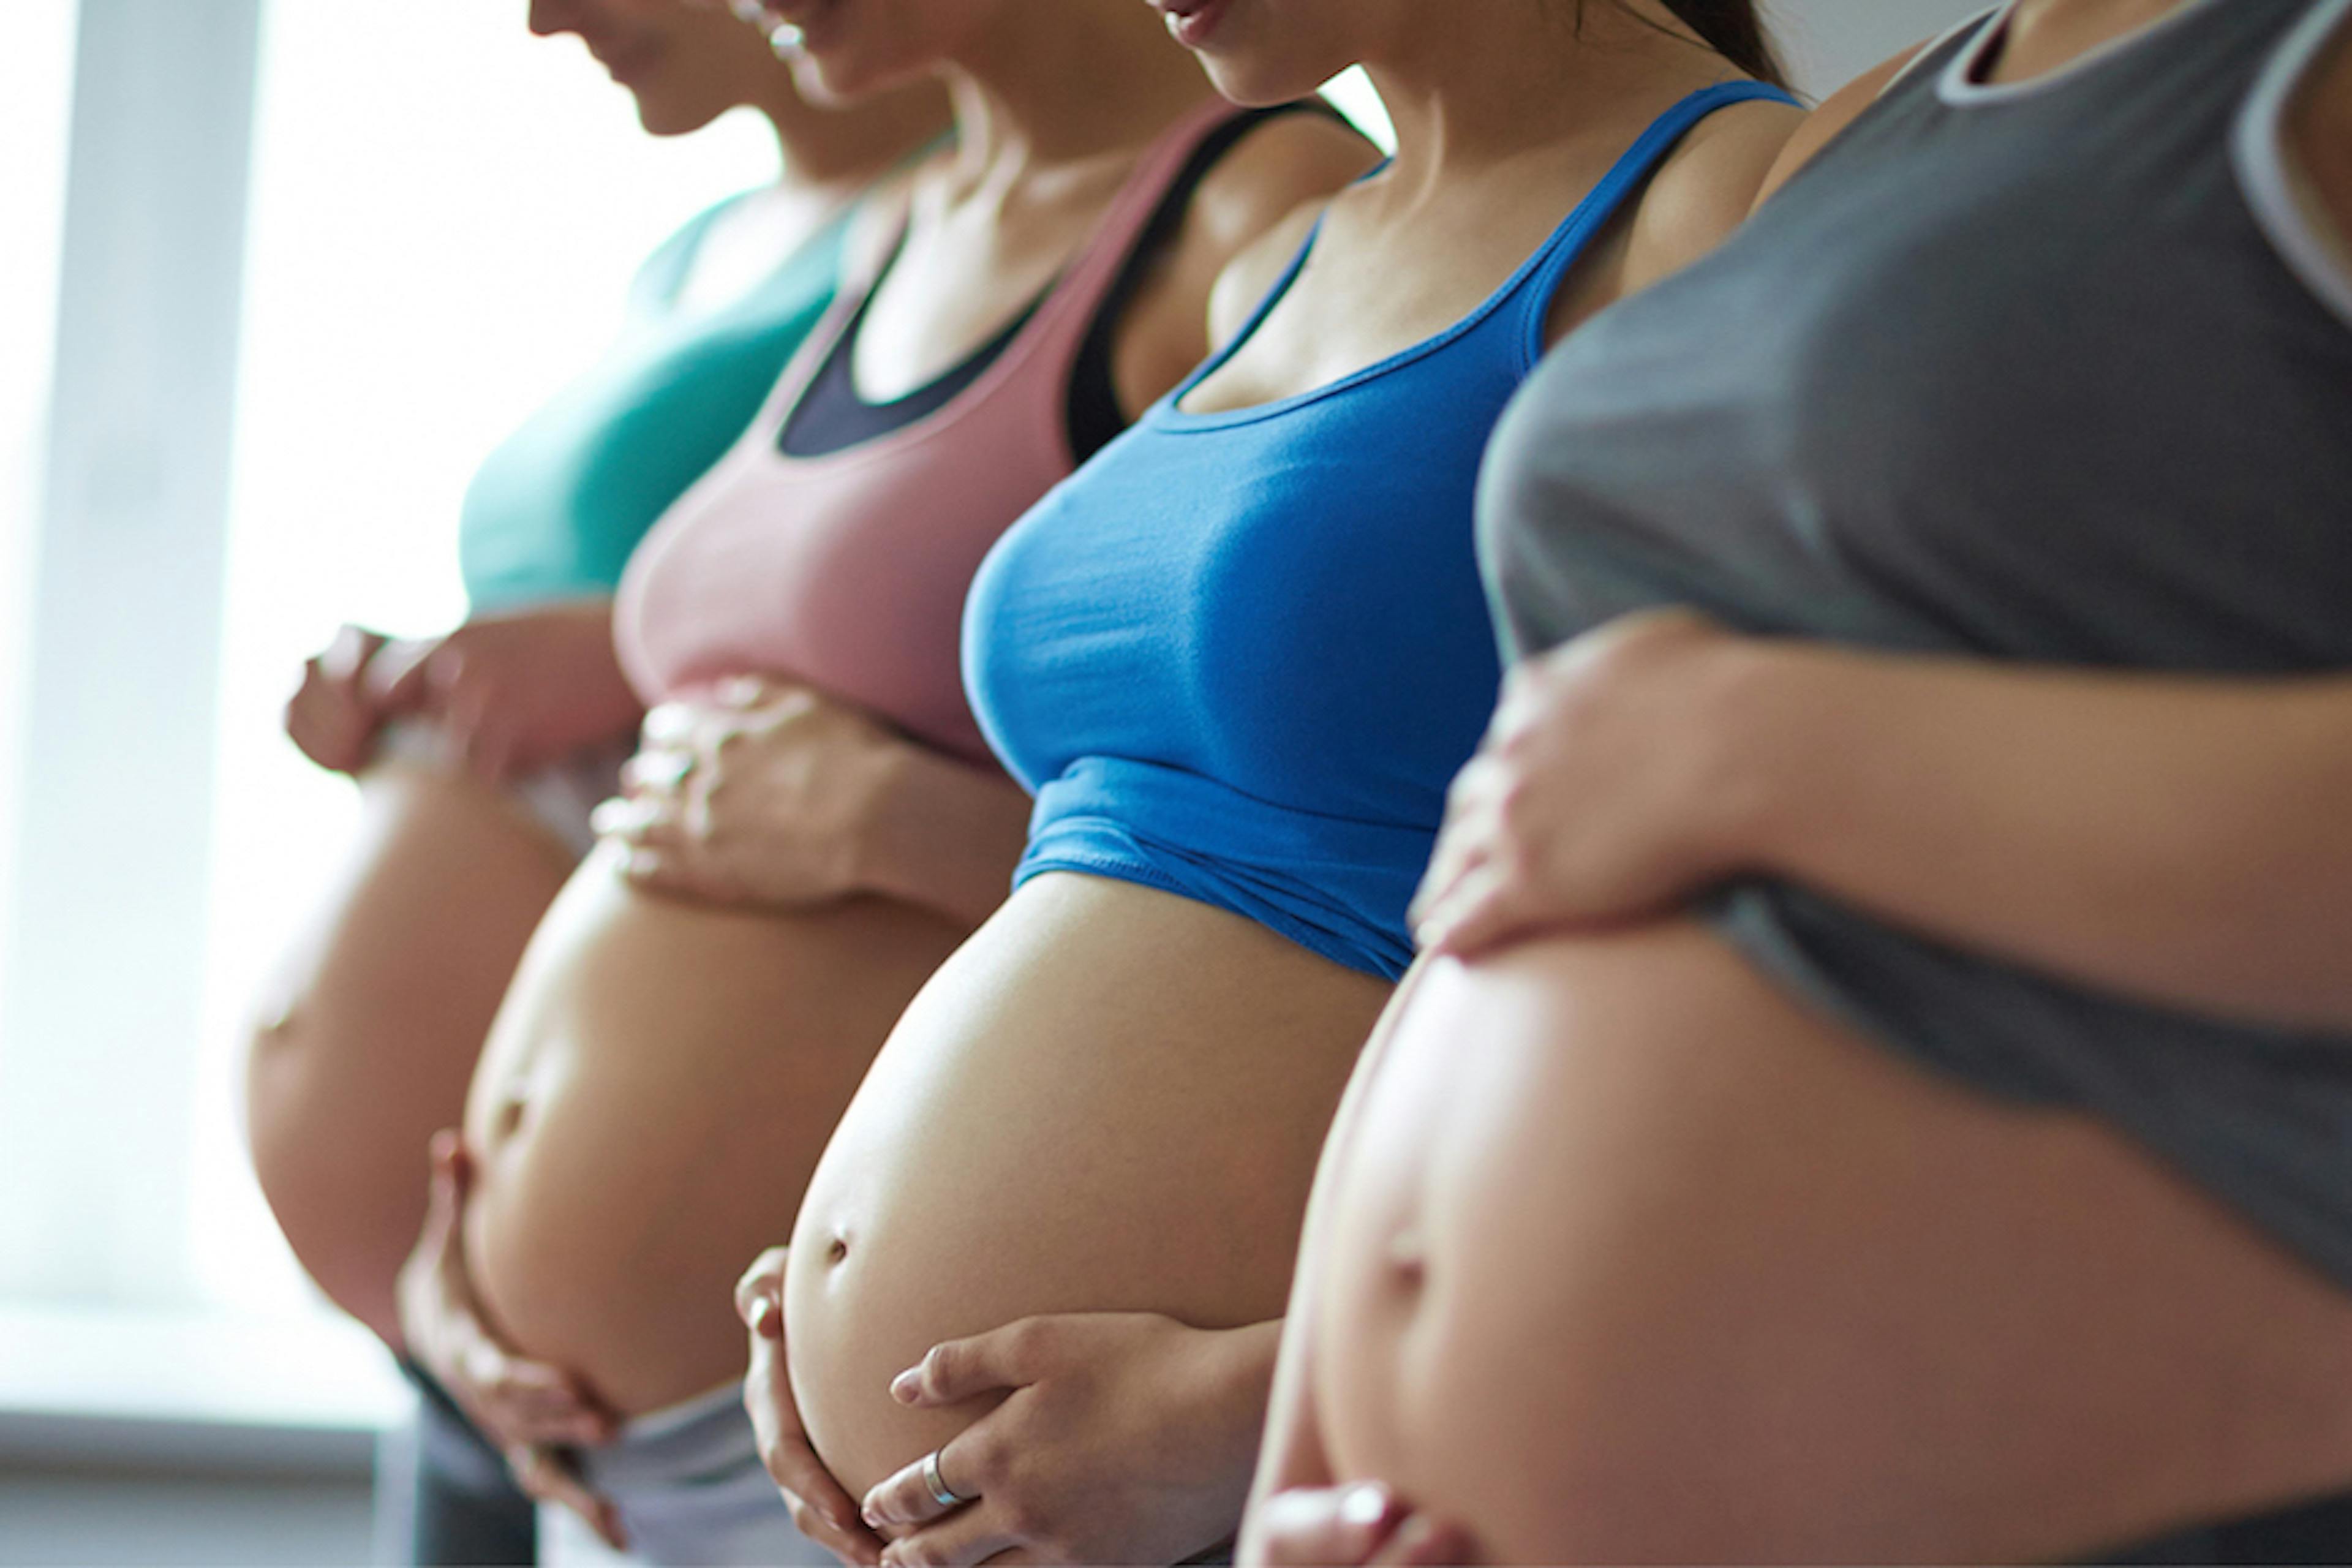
(889, 797)
(1240, 1377)
(1771, 716)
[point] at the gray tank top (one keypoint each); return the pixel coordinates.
(2057, 372)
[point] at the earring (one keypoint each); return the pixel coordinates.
(782, 37)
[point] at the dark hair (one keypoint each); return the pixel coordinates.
(1732, 29)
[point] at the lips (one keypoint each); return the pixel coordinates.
(1193, 22)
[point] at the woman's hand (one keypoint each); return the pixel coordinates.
(1362, 1524)
(760, 794)
(515, 691)
(531, 1409)
(821, 1506)
(334, 715)
(1122, 1437)
(1608, 787)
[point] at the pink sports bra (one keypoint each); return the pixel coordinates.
(847, 571)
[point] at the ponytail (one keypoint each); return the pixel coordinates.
(1734, 29)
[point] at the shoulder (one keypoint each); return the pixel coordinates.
(1278, 164)
(658, 277)
(1250, 213)
(1837, 111)
(1707, 187)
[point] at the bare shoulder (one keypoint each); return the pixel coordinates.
(1287, 161)
(2321, 126)
(1256, 269)
(1837, 111)
(1706, 188)
(1287, 165)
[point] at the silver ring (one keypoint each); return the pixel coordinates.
(941, 1493)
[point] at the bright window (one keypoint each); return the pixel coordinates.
(446, 214)
(35, 91)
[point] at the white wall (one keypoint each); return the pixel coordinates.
(1829, 42)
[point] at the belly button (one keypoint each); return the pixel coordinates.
(509, 1117)
(836, 1251)
(1407, 1259)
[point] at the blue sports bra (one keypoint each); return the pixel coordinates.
(1239, 656)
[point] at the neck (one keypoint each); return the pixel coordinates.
(1056, 82)
(1529, 75)
(823, 149)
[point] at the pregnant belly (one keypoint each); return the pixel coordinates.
(372, 1027)
(657, 1088)
(1109, 1098)
(1638, 1261)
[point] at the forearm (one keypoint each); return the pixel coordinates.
(944, 834)
(2182, 841)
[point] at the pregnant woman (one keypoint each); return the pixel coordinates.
(379, 1015)
(685, 1027)
(1966, 1176)
(1237, 657)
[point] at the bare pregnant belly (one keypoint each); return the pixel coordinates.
(1633, 1259)
(376, 1020)
(1109, 1098)
(657, 1088)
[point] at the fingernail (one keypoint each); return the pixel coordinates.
(908, 1386)
(872, 1516)
(1364, 1504)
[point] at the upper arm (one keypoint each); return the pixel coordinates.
(1294, 161)
(1706, 189)
(1837, 111)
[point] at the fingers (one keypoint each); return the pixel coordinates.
(448, 1152)
(745, 690)
(1485, 908)
(656, 770)
(907, 1499)
(545, 1475)
(398, 675)
(1422, 1541)
(822, 1508)
(447, 1192)
(668, 726)
(1321, 1525)
(331, 722)
(764, 1280)
(349, 654)
(532, 1401)
(965, 1369)
(967, 1536)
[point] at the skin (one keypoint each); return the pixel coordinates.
(699, 1004)
(1077, 1167)
(355, 1063)
(1805, 1301)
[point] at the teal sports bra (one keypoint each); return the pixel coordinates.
(556, 510)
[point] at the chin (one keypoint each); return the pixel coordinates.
(1255, 88)
(1254, 79)
(661, 117)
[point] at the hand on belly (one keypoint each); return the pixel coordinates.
(1118, 1437)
